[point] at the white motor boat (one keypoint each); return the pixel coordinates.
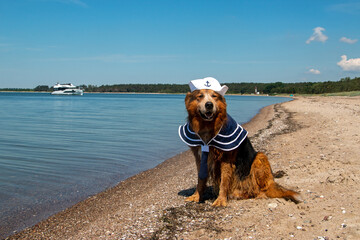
(67, 89)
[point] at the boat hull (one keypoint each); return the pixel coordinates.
(78, 92)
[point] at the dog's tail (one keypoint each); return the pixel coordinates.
(277, 191)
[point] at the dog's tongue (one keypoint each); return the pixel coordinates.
(208, 114)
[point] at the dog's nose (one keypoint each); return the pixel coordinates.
(209, 105)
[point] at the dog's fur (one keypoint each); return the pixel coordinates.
(238, 174)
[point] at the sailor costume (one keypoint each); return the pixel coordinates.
(229, 138)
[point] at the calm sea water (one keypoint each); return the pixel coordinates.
(58, 150)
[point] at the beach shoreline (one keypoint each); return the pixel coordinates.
(150, 205)
(256, 123)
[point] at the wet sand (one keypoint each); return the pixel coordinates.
(312, 142)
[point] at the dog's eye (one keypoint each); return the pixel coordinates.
(214, 96)
(199, 97)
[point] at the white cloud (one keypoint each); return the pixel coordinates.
(34, 49)
(240, 62)
(349, 8)
(348, 40)
(5, 44)
(77, 2)
(6, 47)
(314, 71)
(351, 64)
(318, 35)
(118, 58)
(80, 3)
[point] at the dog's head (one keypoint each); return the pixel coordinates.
(205, 104)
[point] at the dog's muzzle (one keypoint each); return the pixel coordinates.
(207, 112)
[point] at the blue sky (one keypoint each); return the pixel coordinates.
(111, 42)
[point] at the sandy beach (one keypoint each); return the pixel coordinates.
(313, 147)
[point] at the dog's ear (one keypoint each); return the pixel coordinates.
(187, 98)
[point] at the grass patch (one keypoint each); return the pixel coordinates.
(347, 94)
(344, 94)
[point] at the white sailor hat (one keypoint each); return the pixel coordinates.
(208, 83)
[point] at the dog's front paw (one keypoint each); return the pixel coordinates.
(220, 202)
(193, 198)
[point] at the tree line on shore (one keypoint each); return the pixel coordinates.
(343, 85)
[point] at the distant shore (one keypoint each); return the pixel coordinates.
(311, 140)
(344, 84)
(235, 94)
(348, 93)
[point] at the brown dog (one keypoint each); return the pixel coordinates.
(235, 168)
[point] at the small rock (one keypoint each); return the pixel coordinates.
(279, 174)
(327, 218)
(272, 205)
(299, 227)
(335, 179)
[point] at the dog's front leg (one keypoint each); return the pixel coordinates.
(200, 188)
(201, 185)
(226, 175)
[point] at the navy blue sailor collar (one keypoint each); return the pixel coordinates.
(229, 137)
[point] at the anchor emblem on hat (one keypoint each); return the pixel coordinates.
(207, 84)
